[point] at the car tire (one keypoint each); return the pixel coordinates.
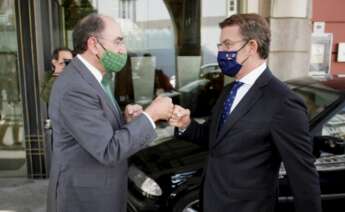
(188, 203)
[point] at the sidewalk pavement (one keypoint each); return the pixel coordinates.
(23, 195)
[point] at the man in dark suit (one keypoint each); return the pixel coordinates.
(92, 140)
(255, 125)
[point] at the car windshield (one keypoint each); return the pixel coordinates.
(316, 99)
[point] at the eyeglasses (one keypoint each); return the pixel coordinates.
(226, 45)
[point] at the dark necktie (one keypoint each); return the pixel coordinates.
(228, 102)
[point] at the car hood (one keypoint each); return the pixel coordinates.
(171, 156)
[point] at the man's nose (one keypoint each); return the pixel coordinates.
(122, 49)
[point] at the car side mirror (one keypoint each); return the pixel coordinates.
(328, 144)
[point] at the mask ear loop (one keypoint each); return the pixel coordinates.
(102, 46)
(245, 60)
(243, 46)
(98, 57)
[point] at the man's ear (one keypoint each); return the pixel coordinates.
(92, 45)
(253, 46)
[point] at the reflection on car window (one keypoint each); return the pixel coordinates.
(315, 99)
(335, 127)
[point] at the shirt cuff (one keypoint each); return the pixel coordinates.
(150, 119)
(181, 131)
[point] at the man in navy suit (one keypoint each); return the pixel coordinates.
(256, 124)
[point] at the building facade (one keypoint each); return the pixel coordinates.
(332, 15)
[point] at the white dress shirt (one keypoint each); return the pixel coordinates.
(248, 81)
(98, 75)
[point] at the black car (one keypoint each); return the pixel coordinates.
(167, 176)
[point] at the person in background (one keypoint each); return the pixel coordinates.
(61, 57)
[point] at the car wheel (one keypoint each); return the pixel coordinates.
(188, 203)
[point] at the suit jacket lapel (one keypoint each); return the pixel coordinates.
(248, 101)
(217, 112)
(89, 78)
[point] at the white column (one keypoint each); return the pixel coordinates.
(291, 31)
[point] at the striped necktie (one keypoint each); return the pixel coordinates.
(228, 103)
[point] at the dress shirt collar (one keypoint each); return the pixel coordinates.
(94, 71)
(252, 76)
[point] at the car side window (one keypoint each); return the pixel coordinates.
(329, 148)
(335, 127)
(315, 99)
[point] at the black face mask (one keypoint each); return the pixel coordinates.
(66, 61)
